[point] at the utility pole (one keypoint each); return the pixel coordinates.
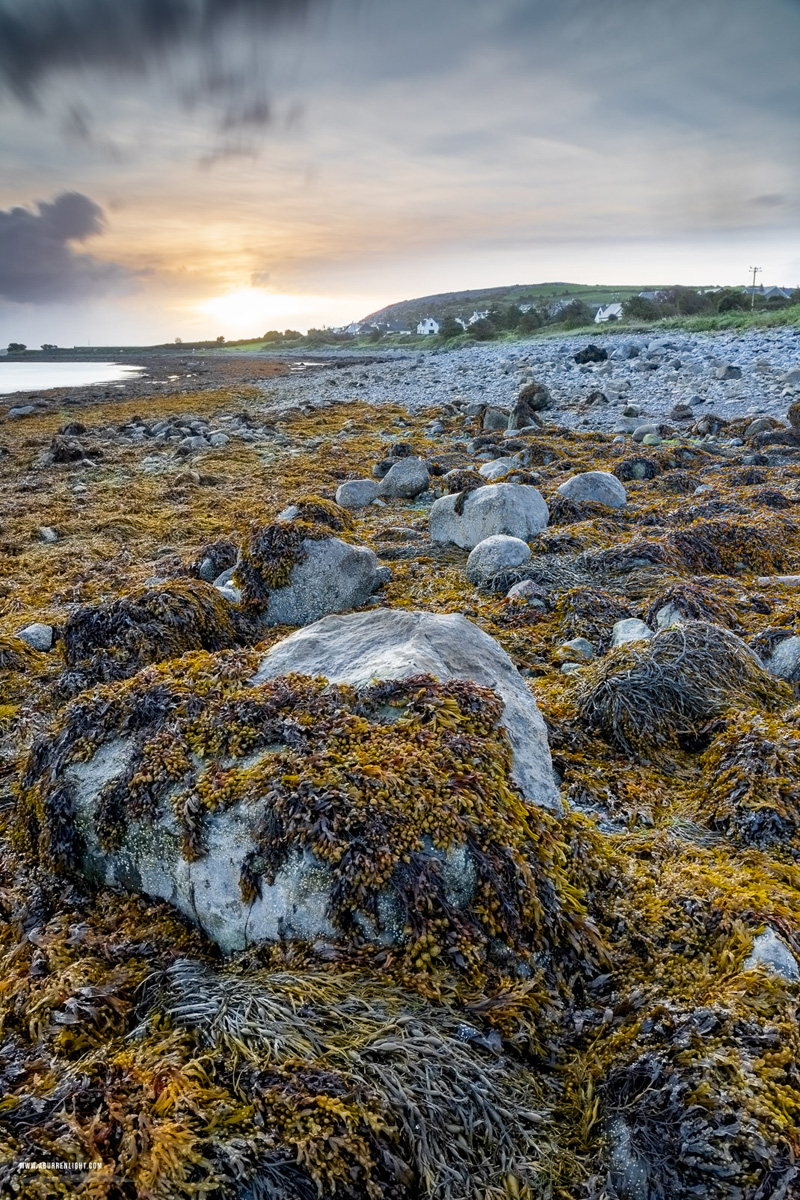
(756, 271)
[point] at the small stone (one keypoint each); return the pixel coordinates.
(772, 952)
(47, 534)
(39, 636)
(217, 440)
(785, 660)
(496, 468)
(21, 410)
(641, 432)
(192, 445)
(408, 478)
(568, 668)
(579, 649)
(651, 439)
(494, 555)
(728, 371)
(631, 629)
(495, 418)
(599, 487)
(527, 592)
(357, 493)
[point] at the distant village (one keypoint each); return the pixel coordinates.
(645, 305)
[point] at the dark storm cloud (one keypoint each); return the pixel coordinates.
(39, 38)
(37, 262)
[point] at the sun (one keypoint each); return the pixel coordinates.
(246, 310)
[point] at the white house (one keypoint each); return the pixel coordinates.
(608, 312)
(478, 316)
(428, 325)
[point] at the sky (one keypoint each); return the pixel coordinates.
(205, 168)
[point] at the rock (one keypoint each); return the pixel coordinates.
(527, 592)
(793, 414)
(785, 660)
(772, 952)
(569, 668)
(407, 478)
(21, 410)
(512, 508)
(47, 534)
(397, 644)
(651, 439)
(357, 493)
(218, 440)
(39, 636)
(728, 371)
(630, 410)
(333, 577)
(641, 431)
(494, 555)
(532, 399)
(495, 418)
(192, 445)
(208, 570)
(670, 614)
(577, 650)
(631, 629)
(591, 354)
(599, 487)
(382, 468)
(760, 425)
(497, 467)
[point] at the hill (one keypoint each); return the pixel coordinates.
(464, 303)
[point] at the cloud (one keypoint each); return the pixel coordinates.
(38, 264)
(39, 38)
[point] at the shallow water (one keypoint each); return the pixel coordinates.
(31, 376)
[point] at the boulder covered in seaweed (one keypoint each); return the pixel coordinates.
(515, 509)
(653, 697)
(379, 803)
(116, 638)
(295, 571)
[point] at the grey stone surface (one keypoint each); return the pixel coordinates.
(407, 478)
(578, 649)
(47, 534)
(37, 635)
(631, 629)
(395, 644)
(785, 661)
(357, 493)
(497, 467)
(333, 577)
(772, 952)
(600, 487)
(512, 508)
(495, 554)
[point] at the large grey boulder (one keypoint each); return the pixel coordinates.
(334, 576)
(496, 554)
(515, 509)
(295, 898)
(38, 636)
(396, 644)
(599, 487)
(357, 493)
(407, 478)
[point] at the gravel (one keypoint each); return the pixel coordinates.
(680, 368)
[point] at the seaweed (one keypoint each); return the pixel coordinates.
(114, 639)
(649, 698)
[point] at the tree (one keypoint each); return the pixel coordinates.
(221, 338)
(450, 328)
(178, 341)
(48, 346)
(574, 314)
(483, 330)
(639, 308)
(731, 300)
(530, 321)
(16, 347)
